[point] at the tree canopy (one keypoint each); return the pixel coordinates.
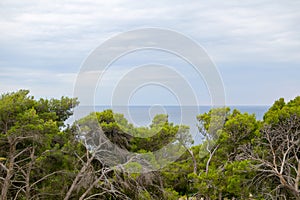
(103, 156)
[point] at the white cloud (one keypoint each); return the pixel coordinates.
(55, 36)
(40, 83)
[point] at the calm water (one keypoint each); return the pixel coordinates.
(142, 115)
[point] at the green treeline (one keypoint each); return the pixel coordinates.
(102, 156)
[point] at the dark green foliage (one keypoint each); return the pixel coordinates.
(125, 135)
(239, 158)
(31, 143)
(276, 152)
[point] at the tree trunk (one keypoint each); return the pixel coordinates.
(211, 153)
(27, 178)
(220, 195)
(104, 172)
(297, 180)
(289, 187)
(9, 172)
(194, 161)
(79, 175)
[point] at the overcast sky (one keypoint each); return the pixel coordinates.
(254, 44)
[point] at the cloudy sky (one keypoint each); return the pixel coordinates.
(254, 44)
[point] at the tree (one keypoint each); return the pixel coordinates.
(222, 174)
(130, 150)
(210, 125)
(27, 132)
(275, 155)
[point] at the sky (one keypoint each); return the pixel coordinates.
(255, 46)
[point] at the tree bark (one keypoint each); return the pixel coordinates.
(211, 153)
(297, 180)
(27, 178)
(79, 175)
(220, 195)
(94, 184)
(9, 171)
(194, 160)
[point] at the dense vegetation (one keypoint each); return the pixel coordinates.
(43, 158)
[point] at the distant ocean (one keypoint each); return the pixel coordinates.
(143, 115)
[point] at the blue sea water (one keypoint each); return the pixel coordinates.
(186, 115)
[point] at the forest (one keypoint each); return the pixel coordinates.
(103, 156)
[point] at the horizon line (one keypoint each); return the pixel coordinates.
(147, 105)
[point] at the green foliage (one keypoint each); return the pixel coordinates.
(57, 109)
(276, 151)
(176, 175)
(142, 140)
(222, 173)
(281, 111)
(210, 123)
(134, 168)
(125, 135)
(40, 157)
(30, 131)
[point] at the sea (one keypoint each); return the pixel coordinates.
(178, 115)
